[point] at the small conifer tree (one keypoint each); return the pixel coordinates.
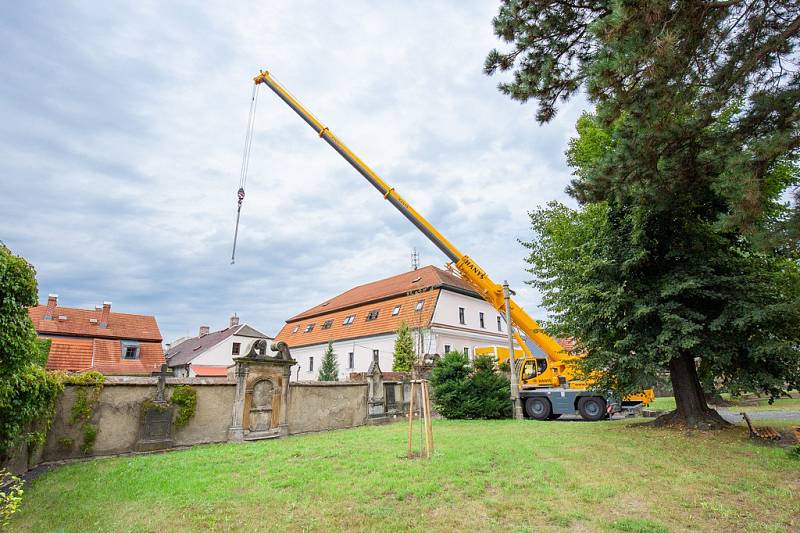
(329, 370)
(404, 355)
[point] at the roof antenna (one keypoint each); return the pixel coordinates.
(414, 259)
(248, 142)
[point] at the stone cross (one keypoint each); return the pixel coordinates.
(162, 381)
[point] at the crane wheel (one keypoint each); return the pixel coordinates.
(538, 408)
(592, 408)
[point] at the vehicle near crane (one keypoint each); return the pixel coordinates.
(549, 386)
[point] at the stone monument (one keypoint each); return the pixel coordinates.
(155, 422)
(376, 405)
(262, 392)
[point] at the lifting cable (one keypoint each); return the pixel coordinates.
(248, 142)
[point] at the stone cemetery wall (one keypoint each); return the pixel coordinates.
(321, 405)
(117, 417)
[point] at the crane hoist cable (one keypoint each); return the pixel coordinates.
(248, 143)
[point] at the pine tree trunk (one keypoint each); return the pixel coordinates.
(690, 401)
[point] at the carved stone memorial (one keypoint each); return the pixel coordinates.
(262, 392)
(155, 423)
(376, 404)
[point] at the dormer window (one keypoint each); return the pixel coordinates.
(309, 328)
(348, 320)
(327, 324)
(130, 350)
(396, 310)
(295, 330)
(372, 315)
(419, 306)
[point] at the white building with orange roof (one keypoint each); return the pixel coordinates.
(444, 312)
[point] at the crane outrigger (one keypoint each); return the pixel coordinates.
(547, 386)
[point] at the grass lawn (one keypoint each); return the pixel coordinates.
(505, 475)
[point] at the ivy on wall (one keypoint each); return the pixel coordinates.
(185, 397)
(87, 395)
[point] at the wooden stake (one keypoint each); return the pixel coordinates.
(410, 420)
(430, 420)
(426, 420)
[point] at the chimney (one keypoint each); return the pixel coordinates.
(204, 330)
(234, 320)
(52, 302)
(104, 315)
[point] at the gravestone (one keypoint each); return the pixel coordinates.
(155, 423)
(262, 392)
(376, 406)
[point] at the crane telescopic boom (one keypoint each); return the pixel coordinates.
(472, 273)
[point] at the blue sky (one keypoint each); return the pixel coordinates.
(122, 131)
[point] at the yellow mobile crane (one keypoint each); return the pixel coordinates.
(548, 387)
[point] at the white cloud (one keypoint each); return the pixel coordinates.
(122, 143)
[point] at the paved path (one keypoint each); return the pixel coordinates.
(736, 417)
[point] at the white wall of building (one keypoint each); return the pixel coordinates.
(362, 350)
(222, 353)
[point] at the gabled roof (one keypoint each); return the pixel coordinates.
(79, 354)
(187, 350)
(428, 277)
(120, 325)
(294, 333)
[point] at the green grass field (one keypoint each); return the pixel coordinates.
(505, 475)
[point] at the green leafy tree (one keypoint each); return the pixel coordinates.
(683, 256)
(27, 392)
(329, 369)
(463, 391)
(404, 356)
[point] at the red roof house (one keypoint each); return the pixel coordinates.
(97, 339)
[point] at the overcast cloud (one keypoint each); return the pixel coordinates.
(122, 130)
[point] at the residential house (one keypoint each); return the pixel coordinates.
(443, 311)
(210, 354)
(97, 339)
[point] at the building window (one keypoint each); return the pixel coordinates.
(419, 305)
(309, 328)
(396, 310)
(480, 319)
(295, 330)
(372, 315)
(130, 350)
(499, 325)
(327, 324)
(310, 364)
(461, 316)
(348, 320)
(350, 360)
(466, 351)
(375, 354)
(235, 348)
(446, 348)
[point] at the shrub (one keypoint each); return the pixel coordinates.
(27, 392)
(463, 391)
(10, 495)
(185, 397)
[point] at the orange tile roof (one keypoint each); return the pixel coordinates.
(120, 325)
(423, 278)
(361, 327)
(210, 371)
(78, 345)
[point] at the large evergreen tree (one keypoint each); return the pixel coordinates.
(690, 255)
(404, 357)
(329, 368)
